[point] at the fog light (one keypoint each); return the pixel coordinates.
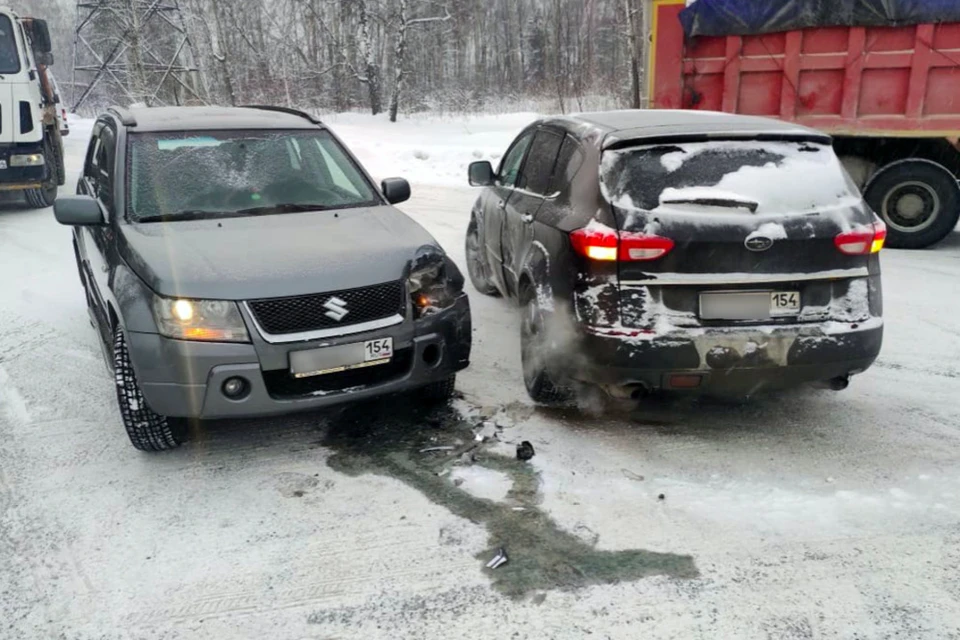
(234, 388)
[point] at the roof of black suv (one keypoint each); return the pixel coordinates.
(149, 119)
(619, 126)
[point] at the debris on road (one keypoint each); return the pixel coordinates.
(498, 560)
(488, 431)
(525, 450)
(630, 475)
(661, 497)
(432, 449)
(468, 458)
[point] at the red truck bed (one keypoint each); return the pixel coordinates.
(843, 80)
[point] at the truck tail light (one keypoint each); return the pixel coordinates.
(607, 245)
(862, 242)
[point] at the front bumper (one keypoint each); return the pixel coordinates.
(15, 178)
(741, 360)
(185, 379)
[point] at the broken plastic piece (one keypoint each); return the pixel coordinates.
(443, 448)
(498, 560)
(525, 450)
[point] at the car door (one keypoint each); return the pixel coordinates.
(532, 187)
(97, 182)
(495, 203)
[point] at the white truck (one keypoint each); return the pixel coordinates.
(31, 146)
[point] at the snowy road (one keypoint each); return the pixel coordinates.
(812, 515)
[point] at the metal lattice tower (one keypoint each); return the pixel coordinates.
(133, 52)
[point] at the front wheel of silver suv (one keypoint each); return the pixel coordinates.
(148, 430)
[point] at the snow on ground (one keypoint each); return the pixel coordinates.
(806, 515)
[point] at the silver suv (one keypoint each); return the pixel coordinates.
(240, 262)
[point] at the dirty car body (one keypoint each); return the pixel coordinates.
(682, 251)
(244, 264)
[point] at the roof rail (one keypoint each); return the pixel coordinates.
(124, 115)
(292, 112)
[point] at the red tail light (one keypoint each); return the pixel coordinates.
(608, 245)
(862, 242)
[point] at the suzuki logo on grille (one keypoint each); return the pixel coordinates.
(336, 308)
(758, 243)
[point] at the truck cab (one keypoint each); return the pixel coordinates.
(31, 148)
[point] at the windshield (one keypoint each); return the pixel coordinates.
(762, 177)
(9, 60)
(196, 174)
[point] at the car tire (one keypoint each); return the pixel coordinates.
(440, 391)
(477, 265)
(148, 430)
(918, 200)
(541, 384)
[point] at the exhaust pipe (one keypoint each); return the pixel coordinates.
(839, 383)
(639, 392)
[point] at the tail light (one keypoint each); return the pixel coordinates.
(607, 245)
(862, 242)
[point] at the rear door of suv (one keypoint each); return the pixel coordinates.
(763, 231)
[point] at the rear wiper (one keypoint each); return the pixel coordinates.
(289, 207)
(716, 202)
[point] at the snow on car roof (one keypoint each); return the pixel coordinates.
(215, 118)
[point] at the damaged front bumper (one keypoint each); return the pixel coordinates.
(186, 379)
(729, 360)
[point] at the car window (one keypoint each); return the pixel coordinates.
(725, 175)
(105, 155)
(538, 168)
(568, 164)
(9, 59)
(510, 167)
(90, 166)
(181, 175)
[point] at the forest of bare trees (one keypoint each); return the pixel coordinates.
(399, 55)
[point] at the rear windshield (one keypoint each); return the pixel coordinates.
(763, 177)
(9, 59)
(179, 176)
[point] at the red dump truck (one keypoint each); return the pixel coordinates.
(888, 91)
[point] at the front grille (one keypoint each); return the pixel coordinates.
(283, 386)
(279, 316)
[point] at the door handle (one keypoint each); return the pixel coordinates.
(527, 218)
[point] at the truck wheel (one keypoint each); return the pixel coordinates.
(43, 197)
(541, 385)
(148, 430)
(919, 200)
(477, 265)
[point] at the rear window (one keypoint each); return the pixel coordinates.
(763, 177)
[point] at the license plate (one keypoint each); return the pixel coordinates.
(318, 362)
(749, 305)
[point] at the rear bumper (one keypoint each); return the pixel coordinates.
(731, 361)
(185, 379)
(13, 178)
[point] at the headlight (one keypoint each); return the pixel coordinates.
(207, 320)
(431, 289)
(27, 160)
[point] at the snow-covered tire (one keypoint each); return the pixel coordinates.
(440, 391)
(542, 387)
(477, 265)
(148, 430)
(41, 198)
(918, 200)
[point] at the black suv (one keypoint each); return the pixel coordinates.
(240, 262)
(679, 251)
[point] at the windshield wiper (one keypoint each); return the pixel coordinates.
(289, 207)
(192, 214)
(716, 202)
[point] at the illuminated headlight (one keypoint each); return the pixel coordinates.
(206, 320)
(430, 288)
(27, 160)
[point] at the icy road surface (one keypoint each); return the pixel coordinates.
(814, 515)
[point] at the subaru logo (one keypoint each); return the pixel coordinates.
(758, 243)
(336, 308)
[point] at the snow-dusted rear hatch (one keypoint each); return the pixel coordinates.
(744, 215)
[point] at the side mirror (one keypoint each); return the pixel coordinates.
(481, 174)
(78, 211)
(396, 190)
(45, 58)
(39, 34)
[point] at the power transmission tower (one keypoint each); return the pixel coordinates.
(133, 52)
